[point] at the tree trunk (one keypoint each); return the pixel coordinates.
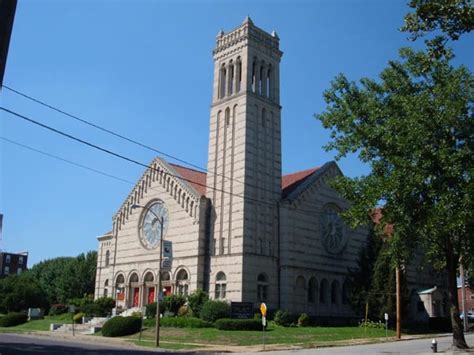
(459, 342)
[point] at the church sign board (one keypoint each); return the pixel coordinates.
(241, 310)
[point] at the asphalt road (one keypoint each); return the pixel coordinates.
(12, 344)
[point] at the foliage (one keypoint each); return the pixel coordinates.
(371, 324)
(452, 17)
(238, 324)
(172, 303)
(184, 322)
(65, 278)
(57, 309)
(78, 317)
(12, 319)
(150, 311)
(185, 311)
(360, 278)
(196, 300)
(283, 318)
(304, 320)
(104, 306)
(20, 292)
(415, 129)
(213, 310)
(120, 326)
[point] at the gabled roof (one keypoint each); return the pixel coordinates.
(197, 179)
(290, 182)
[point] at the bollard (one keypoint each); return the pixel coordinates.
(434, 345)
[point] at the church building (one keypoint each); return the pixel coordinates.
(242, 232)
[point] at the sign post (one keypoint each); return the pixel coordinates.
(72, 309)
(263, 310)
(386, 323)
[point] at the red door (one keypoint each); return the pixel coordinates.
(151, 295)
(136, 292)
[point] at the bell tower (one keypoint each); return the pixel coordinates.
(244, 163)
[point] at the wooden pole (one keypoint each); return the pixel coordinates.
(398, 301)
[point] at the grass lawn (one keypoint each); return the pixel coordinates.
(41, 324)
(309, 336)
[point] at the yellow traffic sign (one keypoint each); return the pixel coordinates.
(263, 309)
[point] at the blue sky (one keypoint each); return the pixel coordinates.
(144, 69)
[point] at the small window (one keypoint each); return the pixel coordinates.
(19, 270)
(8, 259)
(262, 287)
(221, 285)
(107, 258)
(20, 260)
(6, 270)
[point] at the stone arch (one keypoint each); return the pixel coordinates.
(335, 292)
(313, 290)
(221, 285)
(324, 291)
(182, 281)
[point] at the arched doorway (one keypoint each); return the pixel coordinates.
(150, 289)
(134, 294)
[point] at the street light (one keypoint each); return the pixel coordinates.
(158, 288)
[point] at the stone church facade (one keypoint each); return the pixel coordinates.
(242, 232)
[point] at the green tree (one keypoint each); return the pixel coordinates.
(64, 278)
(196, 300)
(452, 17)
(415, 129)
(20, 292)
(449, 19)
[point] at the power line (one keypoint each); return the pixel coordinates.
(66, 160)
(133, 141)
(133, 161)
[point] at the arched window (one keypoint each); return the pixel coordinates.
(120, 279)
(262, 287)
(254, 73)
(239, 74)
(335, 290)
(269, 82)
(182, 282)
(107, 258)
(346, 292)
(227, 116)
(223, 81)
(312, 290)
(221, 285)
(165, 276)
(149, 277)
(134, 277)
(323, 296)
(106, 288)
(231, 78)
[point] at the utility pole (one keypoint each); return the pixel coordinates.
(7, 15)
(398, 297)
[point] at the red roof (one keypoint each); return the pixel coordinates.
(197, 179)
(290, 182)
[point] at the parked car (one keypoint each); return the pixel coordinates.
(470, 316)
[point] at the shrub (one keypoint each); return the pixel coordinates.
(371, 324)
(214, 310)
(172, 303)
(283, 318)
(196, 300)
(150, 310)
(238, 324)
(119, 326)
(12, 319)
(78, 317)
(104, 305)
(91, 309)
(57, 309)
(182, 322)
(185, 311)
(304, 320)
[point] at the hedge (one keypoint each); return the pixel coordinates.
(214, 310)
(119, 326)
(57, 309)
(180, 322)
(238, 324)
(12, 319)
